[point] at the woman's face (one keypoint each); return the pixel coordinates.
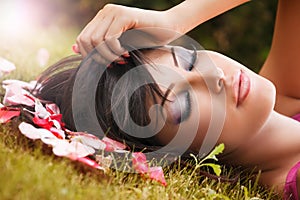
(212, 95)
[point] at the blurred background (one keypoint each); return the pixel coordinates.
(36, 33)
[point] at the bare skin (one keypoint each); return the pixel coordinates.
(274, 147)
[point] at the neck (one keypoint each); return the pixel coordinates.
(276, 145)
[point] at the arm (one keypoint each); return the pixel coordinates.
(191, 13)
(113, 20)
(282, 66)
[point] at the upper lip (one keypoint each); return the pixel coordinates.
(241, 87)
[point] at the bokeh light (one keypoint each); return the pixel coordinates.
(17, 17)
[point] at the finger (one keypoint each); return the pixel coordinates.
(106, 53)
(116, 29)
(115, 46)
(75, 48)
(84, 44)
(87, 37)
(97, 36)
(100, 60)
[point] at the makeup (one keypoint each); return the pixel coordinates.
(181, 107)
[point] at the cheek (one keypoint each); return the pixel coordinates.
(202, 116)
(243, 123)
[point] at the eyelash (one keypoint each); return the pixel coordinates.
(194, 58)
(185, 110)
(190, 64)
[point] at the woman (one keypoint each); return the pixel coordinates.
(254, 134)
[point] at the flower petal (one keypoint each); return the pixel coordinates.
(29, 131)
(112, 145)
(52, 108)
(90, 162)
(16, 95)
(40, 110)
(8, 113)
(89, 140)
(72, 150)
(139, 162)
(157, 174)
(44, 123)
(61, 148)
(60, 134)
(6, 66)
(25, 85)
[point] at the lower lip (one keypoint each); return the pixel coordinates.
(244, 88)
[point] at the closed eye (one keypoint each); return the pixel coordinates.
(185, 59)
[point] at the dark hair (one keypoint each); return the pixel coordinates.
(56, 85)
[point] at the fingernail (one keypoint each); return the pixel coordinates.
(126, 55)
(122, 62)
(75, 48)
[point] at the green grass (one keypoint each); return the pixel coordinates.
(29, 171)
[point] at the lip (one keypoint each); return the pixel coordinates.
(241, 87)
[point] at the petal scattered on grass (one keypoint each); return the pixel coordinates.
(6, 66)
(72, 149)
(88, 139)
(6, 114)
(112, 145)
(16, 95)
(157, 174)
(25, 85)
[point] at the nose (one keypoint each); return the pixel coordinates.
(214, 78)
(218, 80)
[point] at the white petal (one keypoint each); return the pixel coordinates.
(48, 138)
(29, 131)
(6, 66)
(80, 150)
(41, 110)
(90, 141)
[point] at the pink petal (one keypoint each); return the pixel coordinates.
(138, 157)
(16, 95)
(141, 167)
(8, 113)
(44, 123)
(90, 162)
(6, 66)
(19, 100)
(139, 162)
(112, 145)
(157, 174)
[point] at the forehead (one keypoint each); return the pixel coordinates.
(164, 54)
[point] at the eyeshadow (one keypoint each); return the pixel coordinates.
(181, 107)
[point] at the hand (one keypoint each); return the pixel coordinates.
(105, 30)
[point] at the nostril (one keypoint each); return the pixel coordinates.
(220, 79)
(221, 82)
